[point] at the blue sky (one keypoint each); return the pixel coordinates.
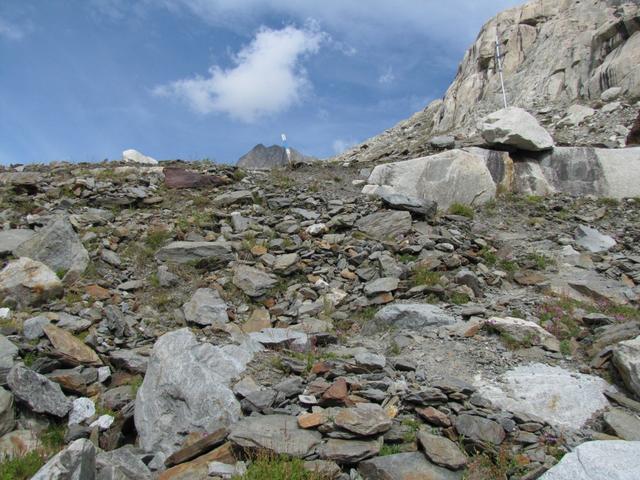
(83, 80)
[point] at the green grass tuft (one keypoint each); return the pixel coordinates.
(462, 210)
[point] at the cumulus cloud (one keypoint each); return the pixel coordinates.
(339, 145)
(10, 31)
(267, 77)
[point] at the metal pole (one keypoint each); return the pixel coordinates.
(286, 149)
(499, 62)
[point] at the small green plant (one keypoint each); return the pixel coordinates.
(22, 468)
(388, 449)
(394, 348)
(238, 174)
(102, 410)
(423, 276)
(608, 202)
(29, 358)
(540, 261)
(462, 210)
(533, 199)
(156, 238)
(509, 266)
(489, 256)
(61, 272)
(458, 298)
(407, 257)
(366, 314)
(278, 468)
(565, 347)
(136, 383)
(53, 437)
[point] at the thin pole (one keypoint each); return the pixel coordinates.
(499, 61)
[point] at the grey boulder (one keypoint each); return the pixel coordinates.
(385, 224)
(252, 281)
(592, 240)
(58, 246)
(206, 307)
(403, 466)
(7, 413)
(76, 462)
(27, 282)
(412, 316)
(11, 239)
(8, 354)
(38, 392)
(515, 127)
(626, 358)
(398, 201)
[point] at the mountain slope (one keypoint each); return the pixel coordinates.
(555, 53)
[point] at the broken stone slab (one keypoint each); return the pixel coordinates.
(626, 358)
(175, 177)
(364, 419)
(38, 392)
(405, 466)
(560, 397)
(12, 238)
(279, 434)
(233, 198)
(185, 252)
(479, 429)
(385, 224)
(517, 128)
(622, 424)
(397, 201)
(58, 246)
(133, 156)
(124, 463)
(70, 348)
(82, 409)
(25, 282)
(441, 450)
(412, 316)
(198, 467)
(7, 413)
(524, 332)
(206, 443)
(381, 285)
(276, 337)
(592, 240)
(252, 281)
(186, 390)
(206, 307)
(611, 459)
(77, 461)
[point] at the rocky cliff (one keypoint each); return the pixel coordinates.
(261, 157)
(556, 53)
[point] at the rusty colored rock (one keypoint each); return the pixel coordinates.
(336, 393)
(434, 416)
(197, 448)
(311, 420)
(175, 177)
(198, 468)
(97, 292)
(70, 348)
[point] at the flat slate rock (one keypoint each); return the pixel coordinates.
(623, 424)
(405, 466)
(279, 434)
(348, 451)
(38, 392)
(185, 252)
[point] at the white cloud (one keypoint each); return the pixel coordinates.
(267, 77)
(10, 31)
(339, 145)
(387, 77)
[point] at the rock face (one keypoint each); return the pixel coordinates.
(613, 460)
(27, 282)
(134, 156)
(57, 246)
(261, 157)
(515, 127)
(186, 390)
(455, 176)
(555, 54)
(560, 397)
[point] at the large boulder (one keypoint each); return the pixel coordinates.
(134, 156)
(176, 177)
(560, 397)
(77, 461)
(524, 332)
(610, 460)
(26, 282)
(57, 246)
(467, 176)
(186, 390)
(626, 358)
(385, 224)
(515, 127)
(11, 239)
(185, 252)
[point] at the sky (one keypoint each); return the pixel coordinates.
(83, 80)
